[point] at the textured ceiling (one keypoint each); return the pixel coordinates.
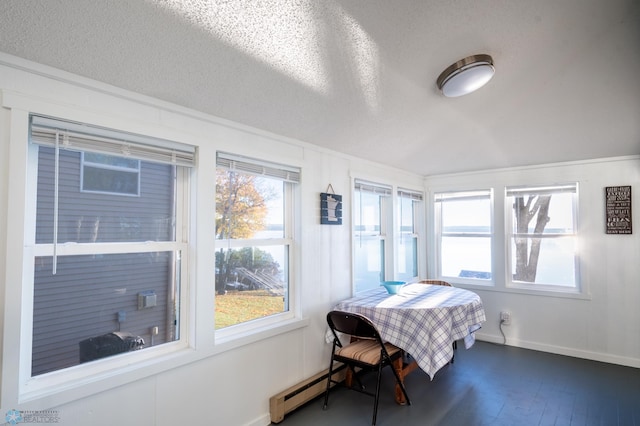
(359, 76)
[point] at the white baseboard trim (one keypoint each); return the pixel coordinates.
(263, 420)
(561, 350)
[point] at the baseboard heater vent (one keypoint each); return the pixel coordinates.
(301, 393)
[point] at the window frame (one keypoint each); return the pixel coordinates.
(499, 180)
(290, 177)
(389, 232)
(384, 235)
(475, 193)
(417, 233)
(18, 385)
(555, 188)
(200, 342)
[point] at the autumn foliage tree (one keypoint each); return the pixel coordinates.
(528, 248)
(241, 211)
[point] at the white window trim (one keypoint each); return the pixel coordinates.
(290, 176)
(30, 388)
(18, 386)
(199, 342)
(438, 234)
(386, 232)
(418, 225)
(540, 288)
(500, 212)
(389, 223)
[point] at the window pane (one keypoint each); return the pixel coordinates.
(560, 214)
(91, 297)
(472, 215)
(255, 283)
(407, 247)
(248, 206)
(550, 214)
(88, 217)
(555, 264)
(111, 181)
(466, 234)
(468, 257)
(367, 208)
(369, 262)
(407, 258)
(406, 215)
(251, 277)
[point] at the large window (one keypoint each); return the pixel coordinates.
(371, 216)
(543, 236)
(464, 231)
(106, 269)
(254, 239)
(408, 218)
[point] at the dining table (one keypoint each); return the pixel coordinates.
(421, 319)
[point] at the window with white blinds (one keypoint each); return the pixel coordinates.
(542, 232)
(373, 219)
(409, 220)
(254, 238)
(257, 167)
(464, 231)
(107, 269)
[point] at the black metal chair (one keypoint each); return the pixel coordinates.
(366, 351)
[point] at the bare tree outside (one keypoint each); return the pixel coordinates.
(528, 247)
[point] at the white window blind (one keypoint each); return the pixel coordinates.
(257, 167)
(374, 188)
(463, 195)
(83, 137)
(541, 190)
(407, 193)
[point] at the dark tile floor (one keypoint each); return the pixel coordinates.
(493, 385)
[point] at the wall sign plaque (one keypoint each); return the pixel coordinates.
(330, 207)
(618, 202)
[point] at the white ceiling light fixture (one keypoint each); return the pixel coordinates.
(466, 76)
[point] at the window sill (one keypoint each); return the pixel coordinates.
(78, 382)
(229, 339)
(526, 291)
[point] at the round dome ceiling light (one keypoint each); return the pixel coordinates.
(466, 76)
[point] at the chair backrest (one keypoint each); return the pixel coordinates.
(435, 282)
(353, 324)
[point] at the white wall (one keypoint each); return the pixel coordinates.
(232, 387)
(228, 384)
(605, 326)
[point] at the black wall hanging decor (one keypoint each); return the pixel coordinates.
(330, 207)
(618, 201)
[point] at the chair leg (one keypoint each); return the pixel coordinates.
(326, 392)
(377, 397)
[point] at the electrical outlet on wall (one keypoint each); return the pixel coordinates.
(505, 318)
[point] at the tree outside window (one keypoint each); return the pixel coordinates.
(252, 243)
(543, 235)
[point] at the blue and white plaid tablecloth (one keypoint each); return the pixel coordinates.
(422, 319)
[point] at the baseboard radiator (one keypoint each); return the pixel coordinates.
(301, 393)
